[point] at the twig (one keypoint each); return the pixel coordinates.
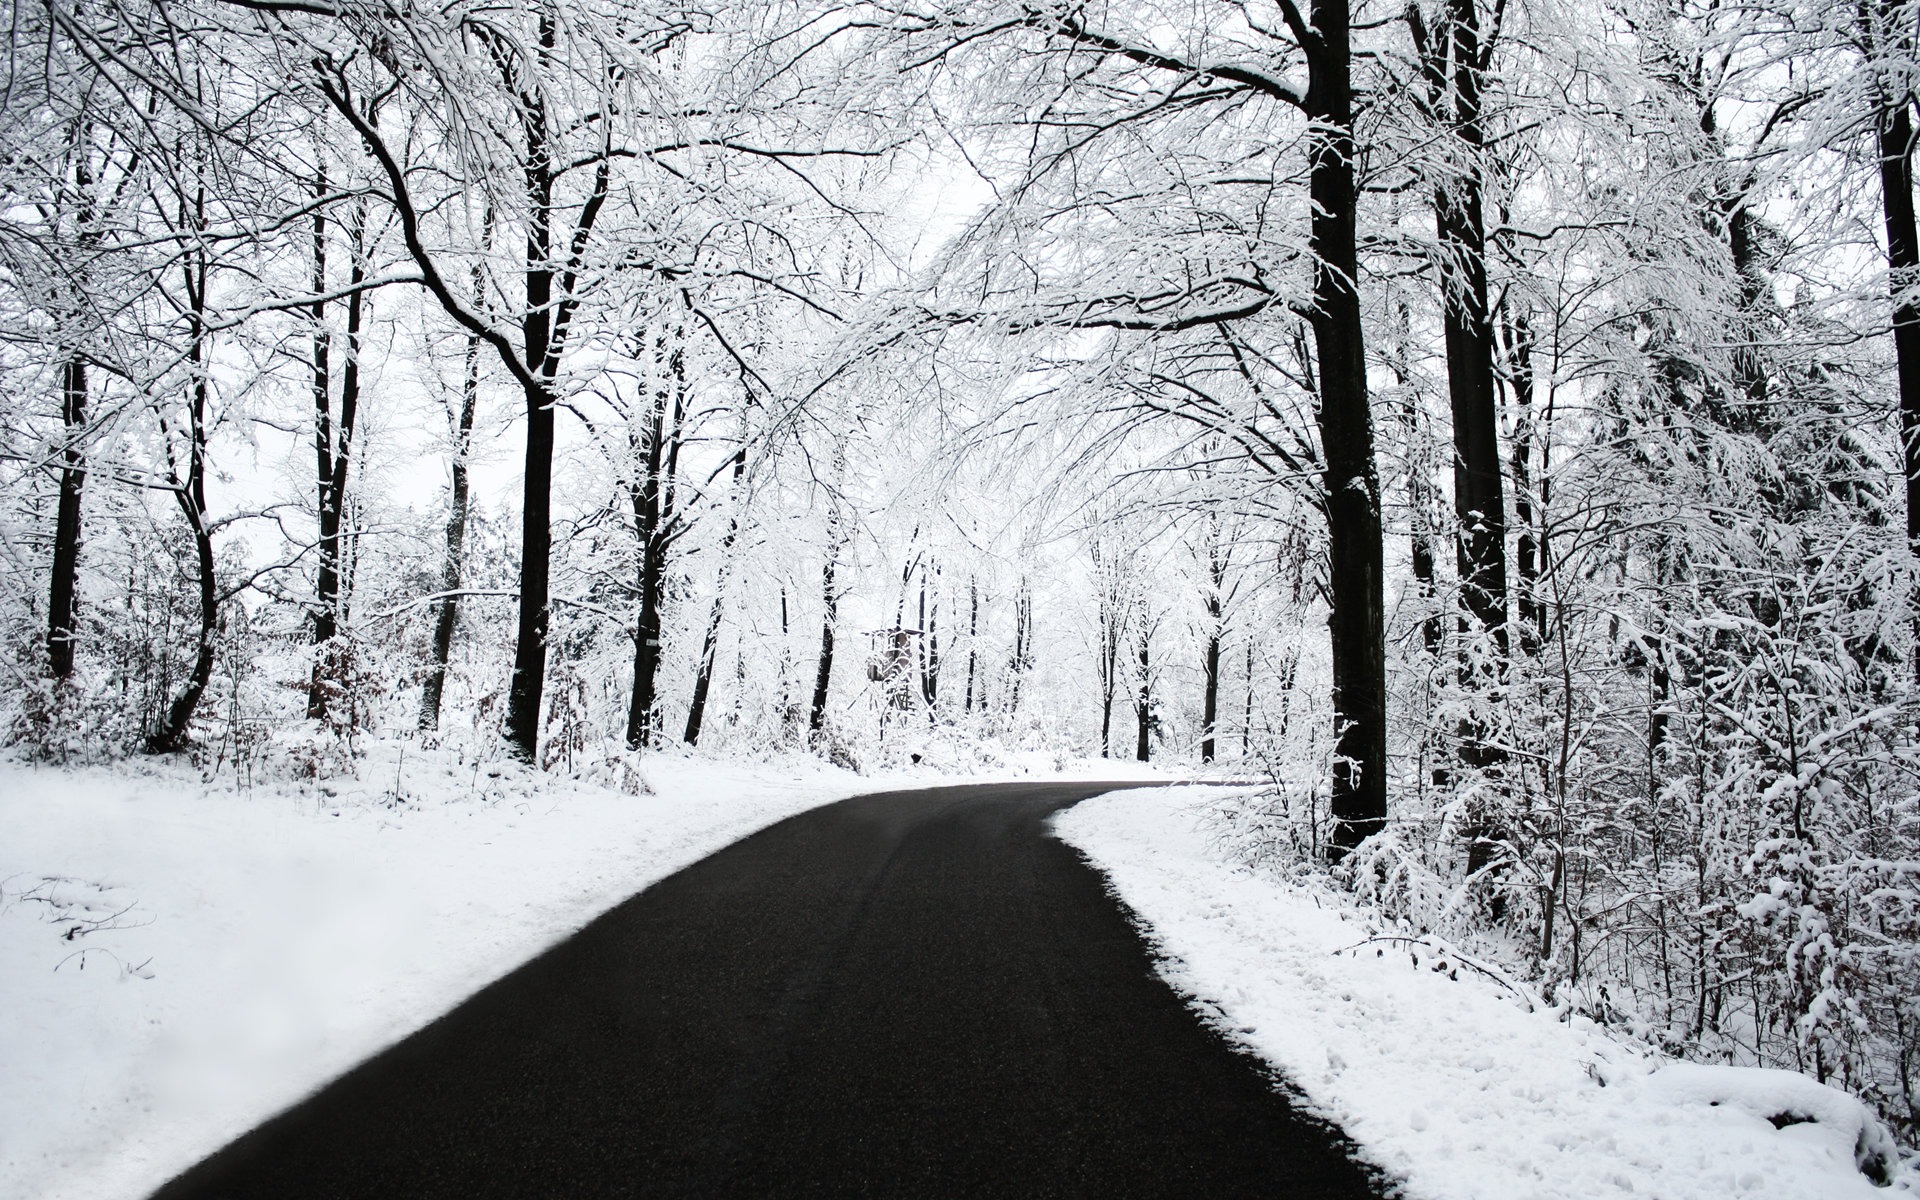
(1497, 976)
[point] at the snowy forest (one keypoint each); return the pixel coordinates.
(1492, 424)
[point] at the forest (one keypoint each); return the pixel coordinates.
(1492, 424)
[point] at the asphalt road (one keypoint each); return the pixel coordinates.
(912, 994)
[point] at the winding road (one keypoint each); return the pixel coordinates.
(914, 994)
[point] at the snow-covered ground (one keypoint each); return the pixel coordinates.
(1439, 1073)
(179, 961)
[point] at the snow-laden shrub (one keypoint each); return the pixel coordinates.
(1786, 1099)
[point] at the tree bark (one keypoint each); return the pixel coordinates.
(1355, 573)
(1531, 612)
(326, 573)
(541, 355)
(1109, 668)
(63, 598)
(191, 495)
(536, 541)
(710, 643)
(652, 498)
(1022, 645)
(1210, 661)
(1460, 226)
(929, 642)
(1143, 702)
(1246, 717)
(453, 571)
(830, 600)
(333, 444)
(973, 633)
(1895, 127)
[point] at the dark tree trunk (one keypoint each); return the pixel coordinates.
(1895, 125)
(1453, 65)
(540, 354)
(63, 598)
(703, 674)
(1246, 718)
(1210, 668)
(710, 643)
(63, 591)
(1022, 645)
(1143, 702)
(333, 446)
(1289, 671)
(973, 633)
(1357, 620)
(453, 571)
(536, 539)
(326, 576)
(652, 498)
(191, 494)
(1419, 483)
(1109, 669)
(1211, 705)
(823, 676)
(1460, 225)
(1531, 611)
(929, 642)
(830, 600)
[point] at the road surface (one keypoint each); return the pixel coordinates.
(916, 994)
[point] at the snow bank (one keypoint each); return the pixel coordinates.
(1440, 1073)
(177, 963)
(1797, 1106)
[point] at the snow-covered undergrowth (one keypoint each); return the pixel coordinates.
(178, 960)
(1449, 1077)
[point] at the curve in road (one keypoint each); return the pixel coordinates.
(909, 994)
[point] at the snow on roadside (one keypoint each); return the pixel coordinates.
(1450, 1084)
(177, 963)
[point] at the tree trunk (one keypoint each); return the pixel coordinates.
(453, 571)
(1022, 645)
(710, 643)
(536, 538)
(543, 326)
(1531, 612)
(1895, 125)
(1460, 225)
(326, 576)
(929, 642)
(1143, 703)
(63, 591)
(1109, 669)
(333, 445)
(1355, 588)
(973, 633)
(823, 677)
(830, 599)
(191, 495)
(1210, 666)
(63, 598)
(1419, 484)
(652, 499)
(1246, 718)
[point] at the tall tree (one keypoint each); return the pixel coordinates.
(334, 422)
(654, 449)
(1887, 34)
(1454, 62)
(453, 565)
(1320, 41)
